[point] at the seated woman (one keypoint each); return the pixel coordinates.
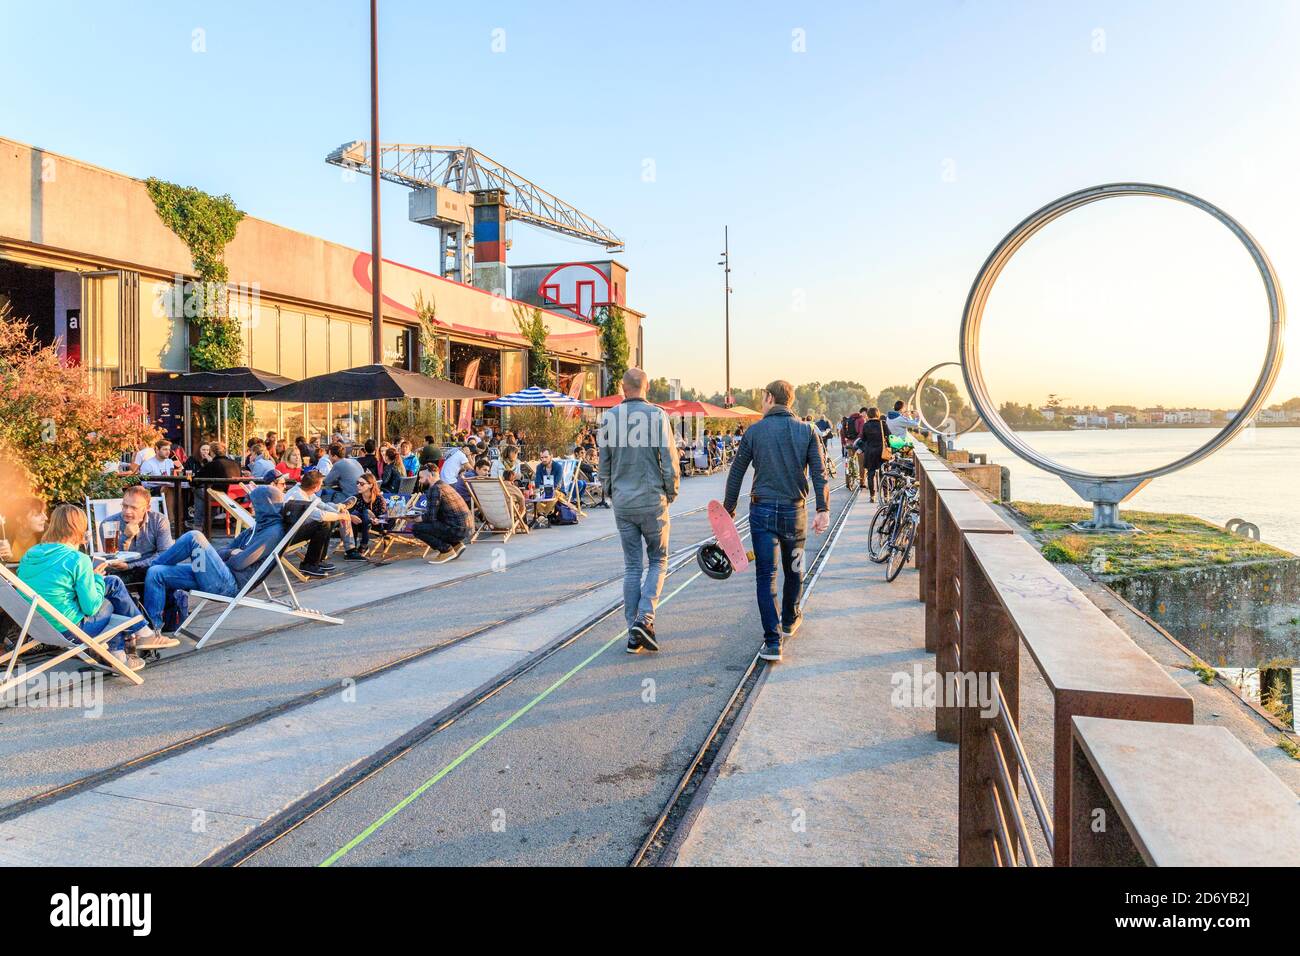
(370, 505)
(289, 463)
(21, 525)
(60, 572)
(394, 472)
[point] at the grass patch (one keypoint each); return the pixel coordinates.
(1288, 747)
(1204, 672)
(1168, 542)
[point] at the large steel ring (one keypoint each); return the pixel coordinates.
(916, 403)
(973, 316)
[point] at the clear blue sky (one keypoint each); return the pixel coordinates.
(864, 179)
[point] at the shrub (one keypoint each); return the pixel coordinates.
(551, 428)
(51, 423)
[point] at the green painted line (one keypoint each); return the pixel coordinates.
(482, 742)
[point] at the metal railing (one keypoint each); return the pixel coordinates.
(987, 594)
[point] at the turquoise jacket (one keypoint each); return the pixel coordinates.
(65, 577)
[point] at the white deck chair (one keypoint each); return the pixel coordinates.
(501, 514)
(99, 510)
(23, 604)
(288, 605)
(569, 484)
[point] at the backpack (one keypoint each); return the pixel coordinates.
(563, 514)
(176, 610)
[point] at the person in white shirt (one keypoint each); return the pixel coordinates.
(159, 462)
(454, 465)
(143, 455)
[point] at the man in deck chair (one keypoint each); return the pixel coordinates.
(193, 564)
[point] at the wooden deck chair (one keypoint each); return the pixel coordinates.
(243, 517)
(501, 514)
(99, 510)
(288, 605)
(23, 604)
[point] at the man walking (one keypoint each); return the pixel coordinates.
(638, 467)
(785, 452)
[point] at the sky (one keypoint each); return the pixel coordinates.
(866, 158)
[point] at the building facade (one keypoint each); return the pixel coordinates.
(84, 257)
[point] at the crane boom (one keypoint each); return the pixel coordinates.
(465, 169)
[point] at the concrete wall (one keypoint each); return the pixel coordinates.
(1235, 615)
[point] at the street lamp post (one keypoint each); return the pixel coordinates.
(727, 400)
(376, 252)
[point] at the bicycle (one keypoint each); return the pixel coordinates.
(852, 473)
(900, 546)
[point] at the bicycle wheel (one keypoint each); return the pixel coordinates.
(879, 533)
(901, 550)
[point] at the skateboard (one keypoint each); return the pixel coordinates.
(725, 553)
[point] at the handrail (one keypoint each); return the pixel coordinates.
(987, 592)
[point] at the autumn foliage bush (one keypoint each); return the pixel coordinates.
(52, 426)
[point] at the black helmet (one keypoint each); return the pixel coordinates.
(714, 562)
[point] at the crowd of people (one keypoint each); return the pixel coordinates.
(866, 433)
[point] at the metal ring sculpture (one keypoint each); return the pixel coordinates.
(916, 403)
(1106, 491)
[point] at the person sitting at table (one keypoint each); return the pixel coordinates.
(548, 476)
(160, 462)
(221, 466)
(194, 564)
(515, 493)
(394, 471)
(289, 464)
(446, 524)
(202, 457)
(334, 515)
(262, 465)
(341, 475)
(60, 572)
(410, 460)
(142, 530)
(369, 461)
(370, 507)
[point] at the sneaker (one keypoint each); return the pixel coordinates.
(442, 557)
(347, 505)
(311, 570)
(771, 651)
(645, 635)
(633, 642)
(457, 550)
(354, 555)
(130, 660)
(789, 629)
(146, 639)
(327, 566)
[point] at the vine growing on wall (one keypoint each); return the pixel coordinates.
(206, 224)
(614, 345)
(533, 327)
(433, 362)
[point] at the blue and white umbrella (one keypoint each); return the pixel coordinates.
(535, 396)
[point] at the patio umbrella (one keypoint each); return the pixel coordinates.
(697, 410)
(609, 401)
(535, 396)
(370, 383)
(239, 381)
(742, 411)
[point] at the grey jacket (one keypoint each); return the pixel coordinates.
(341, 483)
(638, 457)
(153, 538)
(785, 452)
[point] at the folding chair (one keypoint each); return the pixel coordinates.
(407, 485)
(99, 510)
(501, 515)
(289, 605)
(569, 484)
(24, 605)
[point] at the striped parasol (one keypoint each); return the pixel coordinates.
(536, 397)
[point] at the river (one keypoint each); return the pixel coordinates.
(1256, 478)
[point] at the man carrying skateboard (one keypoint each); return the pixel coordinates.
(638, 467)
(785, 452)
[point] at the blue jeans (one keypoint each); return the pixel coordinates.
(640, 598)
(783, 527)
(117, 608)
(191, 564)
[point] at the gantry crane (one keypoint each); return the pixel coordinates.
(449, 182)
